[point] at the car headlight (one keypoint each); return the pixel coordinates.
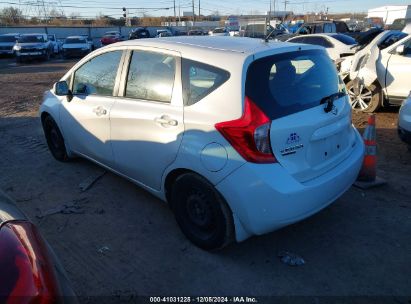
(17, 48)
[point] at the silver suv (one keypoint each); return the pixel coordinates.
(239, 136)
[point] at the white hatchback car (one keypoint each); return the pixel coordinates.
(240, 136)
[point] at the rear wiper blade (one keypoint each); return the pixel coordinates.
(329, 100)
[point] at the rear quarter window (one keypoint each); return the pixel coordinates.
(292, 82)
(200, 79)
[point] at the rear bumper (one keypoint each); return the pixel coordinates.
(264, 198)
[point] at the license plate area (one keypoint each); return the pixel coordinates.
(325, 150)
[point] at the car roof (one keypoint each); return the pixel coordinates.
(185, 44)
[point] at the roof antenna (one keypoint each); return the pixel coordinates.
(267, 26)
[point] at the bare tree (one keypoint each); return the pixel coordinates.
(11, 15)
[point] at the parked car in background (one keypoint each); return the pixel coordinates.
(278, 149)
(197, 32)
(111, 37)
(164, 33)
(380, 73)
(33, 46)
(318, 27)
(219, 31)
(30, 270)
(400, 24)
(76, 46)
(337, 45)
(262, 30)
(139, 33)
(89, 41)
(404, 121)
(7, 42)
(55, 44)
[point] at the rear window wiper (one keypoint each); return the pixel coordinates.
(329, 100)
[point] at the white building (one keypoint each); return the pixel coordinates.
(390, 13)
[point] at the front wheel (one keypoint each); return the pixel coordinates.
(364, 98)
(201, 212)
(55, 140)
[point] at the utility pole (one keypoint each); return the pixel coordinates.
(285, 9)
(193, 12)
(175, 18)
(199, 11)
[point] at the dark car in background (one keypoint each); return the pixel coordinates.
(7, 42)
(30, 272)
(197, 32)
(30, 46)
(139, 33)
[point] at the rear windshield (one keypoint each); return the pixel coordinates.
(292, 82)
(345, 39)
(7, 39)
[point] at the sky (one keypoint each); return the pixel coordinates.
(92, 8)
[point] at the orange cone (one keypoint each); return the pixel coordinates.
(368, 174)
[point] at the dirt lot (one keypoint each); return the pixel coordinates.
(124, 242)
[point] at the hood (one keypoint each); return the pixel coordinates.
(8, 210)
(31, 44)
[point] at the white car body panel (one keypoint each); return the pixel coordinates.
(127, 139)
(390, 69)
(334, 52)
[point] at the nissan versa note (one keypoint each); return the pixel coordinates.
(238, 135)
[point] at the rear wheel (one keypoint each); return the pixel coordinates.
(55, 140)
(201, 212)
(364, 98)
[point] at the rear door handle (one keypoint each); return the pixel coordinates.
(100, 111)
(166, 120)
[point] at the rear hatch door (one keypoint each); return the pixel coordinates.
(302, 94)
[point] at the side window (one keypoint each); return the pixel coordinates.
(327, 28)
(299, 40)
(151, 76)
(200, 79)
(407, 48)
(325, 43)
(98, 75)
(318, 28)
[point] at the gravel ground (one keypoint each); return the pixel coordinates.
(123, 242)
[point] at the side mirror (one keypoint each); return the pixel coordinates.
(400, 50)
(61, 89)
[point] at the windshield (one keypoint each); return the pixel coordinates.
(31, 38)
(391, 39)
(345, 39)
(288, 83)
(7, 39)
(74, 40)
(219, 30)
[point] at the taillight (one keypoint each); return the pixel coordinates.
(26, 270)
(250, 134)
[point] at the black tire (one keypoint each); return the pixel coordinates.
(55, 140)
(18, 59)
(367, 99)
(201, 212)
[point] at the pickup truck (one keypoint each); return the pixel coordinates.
(33, 46)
